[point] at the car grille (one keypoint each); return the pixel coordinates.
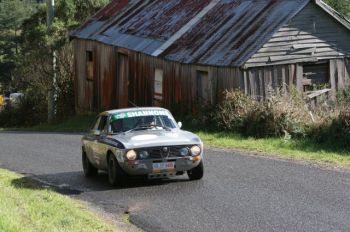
(164, 152)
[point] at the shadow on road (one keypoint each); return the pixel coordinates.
(74, 183)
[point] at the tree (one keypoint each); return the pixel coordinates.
(342, 6)
(34, 62)
(12, 14)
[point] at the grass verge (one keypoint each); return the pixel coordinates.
(296, 149)
(26, 206)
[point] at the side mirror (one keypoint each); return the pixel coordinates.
(179, 124)
(97, 133)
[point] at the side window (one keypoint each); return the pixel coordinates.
(103, 124)
(96, 124)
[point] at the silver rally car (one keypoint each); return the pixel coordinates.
(141, 142)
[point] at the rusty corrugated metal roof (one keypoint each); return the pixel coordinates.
(208, 32)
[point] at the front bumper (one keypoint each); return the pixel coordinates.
(145, 167)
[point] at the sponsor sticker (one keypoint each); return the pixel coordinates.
(141, 113)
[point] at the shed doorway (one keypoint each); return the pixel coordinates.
(123, 82)
(204, 87)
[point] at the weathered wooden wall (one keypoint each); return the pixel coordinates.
(312, 35)
(112, 88)
(133, 82)
(99, 93)
(258, 81)
(339, 71)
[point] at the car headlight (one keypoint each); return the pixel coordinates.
(131, 155)
(195, 150)
(144, 154)
(184, 151)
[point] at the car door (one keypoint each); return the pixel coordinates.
(90, 140)
(99, 146)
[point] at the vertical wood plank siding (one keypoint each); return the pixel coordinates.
(258, 81)
(339, 74)
(111, 90)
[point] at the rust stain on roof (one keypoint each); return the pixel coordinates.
(228, 34)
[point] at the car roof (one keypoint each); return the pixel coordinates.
(124, 110)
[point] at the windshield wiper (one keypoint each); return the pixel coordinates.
(141, 127)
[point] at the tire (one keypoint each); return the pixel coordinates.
(197, 172)
(116, 175)
(88, 168)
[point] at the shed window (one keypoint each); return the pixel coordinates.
(315, 76)
(158, 86)
(89, 66)
(203, 87)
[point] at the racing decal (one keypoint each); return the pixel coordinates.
(141, 113)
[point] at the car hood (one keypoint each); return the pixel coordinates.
(155, 138)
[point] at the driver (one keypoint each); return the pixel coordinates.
(117, 126)
(150, 120)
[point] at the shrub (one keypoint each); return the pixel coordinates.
(335, 131)
(31, 110)
(278, 115)
(232, 113)
(343, 96)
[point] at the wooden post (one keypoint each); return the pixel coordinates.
(299, 78)
(51, 91)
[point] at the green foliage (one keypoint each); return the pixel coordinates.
(334, 131)
(233, 111)
(342, 6)
(27, 206)
(29, 111)
(344, 96)
(12, 14)
(35, 64)
(331, 153)
(278, 115)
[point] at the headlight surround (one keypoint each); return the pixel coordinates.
(131, 155)
(195, 150)
(144, 154)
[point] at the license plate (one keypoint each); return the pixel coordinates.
(163, 167)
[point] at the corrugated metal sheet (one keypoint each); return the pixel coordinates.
(227, 35)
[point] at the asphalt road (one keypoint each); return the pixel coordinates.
(239, 192)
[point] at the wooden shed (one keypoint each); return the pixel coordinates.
(182, 53)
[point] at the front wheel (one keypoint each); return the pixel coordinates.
(89, 169)
(116, 176)
(197, 172)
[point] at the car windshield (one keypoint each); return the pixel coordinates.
(141, 120)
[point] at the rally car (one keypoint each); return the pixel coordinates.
(141, 142)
